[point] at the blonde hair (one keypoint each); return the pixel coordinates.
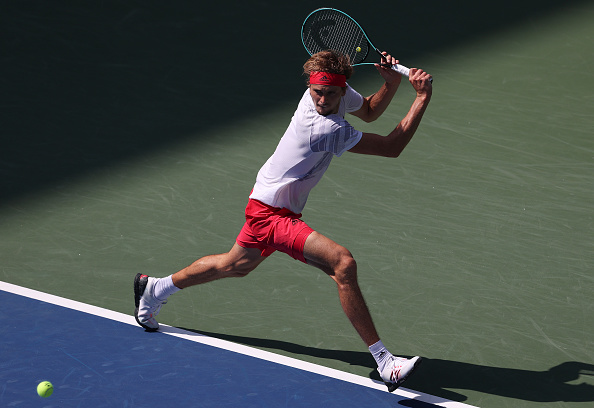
(329, 61)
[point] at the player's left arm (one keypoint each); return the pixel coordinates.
(374, 105)
(393, 144)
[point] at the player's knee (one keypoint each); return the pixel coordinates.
(346, 269)
(242, 272)
(242, 269)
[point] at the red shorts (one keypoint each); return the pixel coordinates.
(270, 229)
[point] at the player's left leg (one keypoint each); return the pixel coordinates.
(238, 262)
(150, 294)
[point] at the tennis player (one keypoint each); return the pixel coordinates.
(318, 132)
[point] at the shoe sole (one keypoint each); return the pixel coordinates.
(394, 386)
(140, 282)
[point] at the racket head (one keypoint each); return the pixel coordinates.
(331, 29)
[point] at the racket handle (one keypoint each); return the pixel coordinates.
(401, 69)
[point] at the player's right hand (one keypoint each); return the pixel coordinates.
(421, 81)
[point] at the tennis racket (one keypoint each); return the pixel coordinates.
(331, 29)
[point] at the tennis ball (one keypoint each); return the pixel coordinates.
(358, 49)
(45, 389)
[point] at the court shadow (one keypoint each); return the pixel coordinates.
(89, 84)
(439, 377)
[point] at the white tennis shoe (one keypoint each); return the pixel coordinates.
(147, 306)
(398, 370)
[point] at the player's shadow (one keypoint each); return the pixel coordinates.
(438, 377)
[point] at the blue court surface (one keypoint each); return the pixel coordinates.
(98, 358)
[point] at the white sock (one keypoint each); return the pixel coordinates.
(164, 288)
(381, 354)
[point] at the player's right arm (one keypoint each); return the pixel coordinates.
(393, 144)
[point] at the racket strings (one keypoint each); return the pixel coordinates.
(333, 30)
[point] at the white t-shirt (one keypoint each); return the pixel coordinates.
(305, 151)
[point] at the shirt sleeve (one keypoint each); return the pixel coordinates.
(353, 100)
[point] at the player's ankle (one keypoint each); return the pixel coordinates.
(381, 355)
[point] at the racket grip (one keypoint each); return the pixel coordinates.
(401, 69)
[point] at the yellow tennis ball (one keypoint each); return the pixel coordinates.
(45, 389)
(358, 49)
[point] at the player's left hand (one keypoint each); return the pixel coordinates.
(390, 76)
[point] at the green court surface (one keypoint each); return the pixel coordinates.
(132, 133)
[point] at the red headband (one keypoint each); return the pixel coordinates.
(326, 78)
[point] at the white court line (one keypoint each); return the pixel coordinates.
(227, 345)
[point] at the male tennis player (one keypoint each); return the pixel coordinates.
(318, 131)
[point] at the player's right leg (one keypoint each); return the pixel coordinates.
(148, 301)
(338, 263)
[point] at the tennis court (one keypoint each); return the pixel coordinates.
(131, 137)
